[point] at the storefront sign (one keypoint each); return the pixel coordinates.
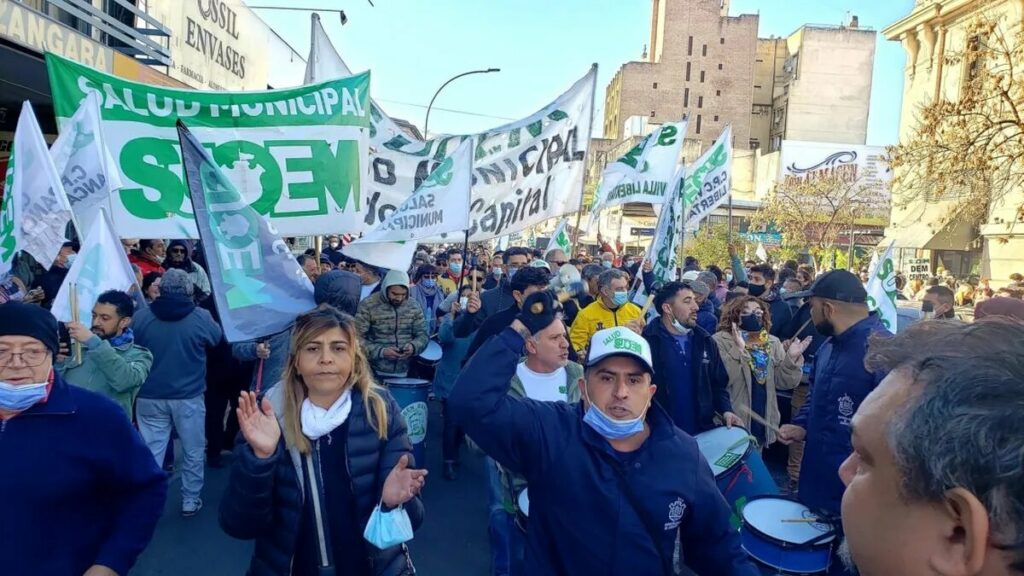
(33, 30)
(864, 165)
(919, 268)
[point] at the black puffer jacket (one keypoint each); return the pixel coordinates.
(263, 501)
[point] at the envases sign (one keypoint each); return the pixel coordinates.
(295, 155)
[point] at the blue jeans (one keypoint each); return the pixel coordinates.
(155, 418)
(500, 524)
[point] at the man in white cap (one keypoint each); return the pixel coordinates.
(613, 485)
(392, 326)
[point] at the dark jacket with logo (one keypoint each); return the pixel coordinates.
(79, 487)
(707, 372)
(264, 498)
(840, 385)
(582, 519)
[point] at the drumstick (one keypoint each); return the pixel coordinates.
(647, 306)
(801, 330)
(757, 418)
(800, 521)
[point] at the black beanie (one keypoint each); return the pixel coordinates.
(19, 319)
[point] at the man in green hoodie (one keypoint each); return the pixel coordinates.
(112, 364)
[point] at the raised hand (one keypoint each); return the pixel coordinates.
(402, 483)
(473, 303)
(796, 348)
(737, 336)
(258, 424)
(79, 332)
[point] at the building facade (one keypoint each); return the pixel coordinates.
(931, 34)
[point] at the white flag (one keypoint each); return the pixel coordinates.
(560, 239)
(709, 180)
(644, 174)
(881, 288)
(663, 251)
(439, 207)
(88, 171)
(101, 265)
(35, 211)
(761, 253)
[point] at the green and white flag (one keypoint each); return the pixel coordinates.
(101, 265)
(663, 251)
(35, 212)
(644, 174)
(88, 172)
(439, 207)
(881, 288)
(560, 239)
(298, 156)
(709, 180)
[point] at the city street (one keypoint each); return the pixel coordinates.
(453, 535)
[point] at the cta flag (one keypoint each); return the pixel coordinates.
(560, 239)
(101, 265)
(258, 285)
(881, 288)
(644, 174)
(88, 171)
(709, 180)
(439, 207)
(35, 212)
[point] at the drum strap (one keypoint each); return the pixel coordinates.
(666, 561)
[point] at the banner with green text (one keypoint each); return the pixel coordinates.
(296, 155)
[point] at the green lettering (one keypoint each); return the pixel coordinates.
(147, 161)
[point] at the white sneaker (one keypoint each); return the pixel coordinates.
(191, 507)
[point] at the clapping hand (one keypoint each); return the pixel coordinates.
(737, 336)
(258, 424)
(796, 347)
(402, 483)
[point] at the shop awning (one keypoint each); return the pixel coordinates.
(930, 234)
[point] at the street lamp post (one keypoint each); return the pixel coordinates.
(426, 122)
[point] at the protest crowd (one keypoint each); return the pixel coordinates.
(629, 405)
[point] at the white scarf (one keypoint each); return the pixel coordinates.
(317, 422)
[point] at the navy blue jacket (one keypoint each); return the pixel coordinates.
(839, 386)
(581, 519)
(707, 317)
(707, 372)
(79, 487)
(179, 335)
(264, 498)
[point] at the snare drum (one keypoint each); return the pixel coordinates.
(783, 534)
(738, 468)
(522, 510)
(431, 355)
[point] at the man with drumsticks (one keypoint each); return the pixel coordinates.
(613, 484)
(935, 483)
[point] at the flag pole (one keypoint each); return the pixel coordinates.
(682, 231)
(729, 236)
(586, 157)
(465, 260)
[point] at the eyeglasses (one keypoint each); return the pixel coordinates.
(430, 276)
(32, 357)
(177, 250)
(559, 264)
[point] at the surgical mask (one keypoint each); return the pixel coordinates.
(606, 263)
(755, 290)
(750, 323)
(70, 260)
(455, 267)
(679, 327)
(620, 298)
(728, 277)
(429, 283)
(333, 244)
(609, 427)
(783, 291)
(497, 271)
(629, 263)
(18, 398)
(159, 259)
(387, 529)
(512, 272)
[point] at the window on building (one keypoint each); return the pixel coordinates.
(758, 60)
(700, 101)
(652, 113)
(655, 85)
(686, 98)
(972, 58)
(718, 92)
(698, 123)
(716, 117)
(754, 144)
(721, 40)
(689, 47)
(687, 71)
(719, 65)
(702, 76)
(757, 86)
(704, 50)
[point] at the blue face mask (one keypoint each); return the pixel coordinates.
(606, 263)
(620, 298)
(512, 272)
(387, 529)
(429, 283)
(18, 398)
(455, 267)
(609, 427)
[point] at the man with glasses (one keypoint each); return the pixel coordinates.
(556, 258)
(75, 471)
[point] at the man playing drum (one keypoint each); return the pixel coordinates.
(614, 486)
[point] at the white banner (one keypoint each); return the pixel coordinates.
(525, 172)
(709, 180)
(101, 265)
(35, 211)
(862, 164)
(644, 174)
(881, 288)
(88, 172)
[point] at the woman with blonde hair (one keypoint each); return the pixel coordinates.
(323, 481)
(757, 363)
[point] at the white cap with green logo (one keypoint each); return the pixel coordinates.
(619, 341)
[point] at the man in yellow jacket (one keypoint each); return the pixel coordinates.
(611, 308)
